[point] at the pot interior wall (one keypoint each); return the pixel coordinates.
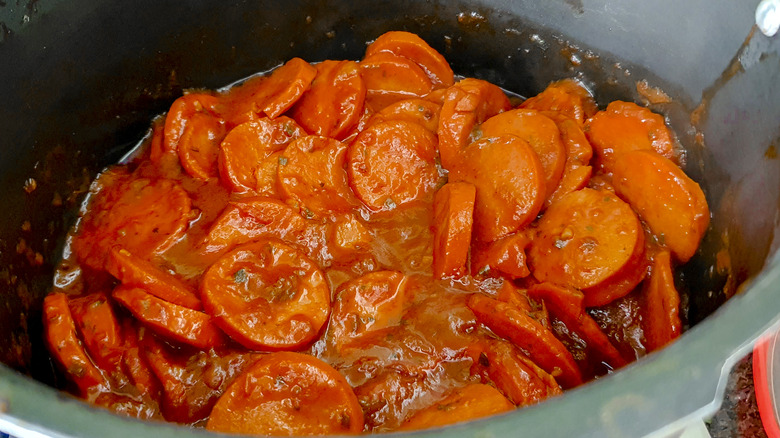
(81, 81)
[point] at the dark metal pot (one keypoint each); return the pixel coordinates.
(81, 79)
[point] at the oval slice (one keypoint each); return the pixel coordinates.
(590, 240)
(661, 320)
(470, 402)
(390, 78)
(368, 303)
(568, 305)
(413, 47)
(199, 146)
(134, 362)
(192, 380)
(576, 169)
(567, 97)
(174, 322)
(501, 364)
(420, 111)
(271, 95)
(392, 163)
(244, 148)
(311, 173)
(181, 112)
(267, 295)
(134, 271)
(540, 132)
(248, 219)
(538, 342)
(624, 127)
(510, 184)
(671, 203)
(453, 216)
(99, 329)
(335, 101)
(66, 348)
(288, 393)
(144, 216)
(466, 105)
(503, 257)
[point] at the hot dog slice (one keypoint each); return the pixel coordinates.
(390, 78)
(513, 373)
(576, 168)
(192, 380)
(420, 111)
(270, 95)
(368, 303)
(248, 219)
(505, 257)
(181, 112)
(568, 305)
(100, 330)
(142, 215)
(199, 146)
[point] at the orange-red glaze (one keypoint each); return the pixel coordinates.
(349, 247)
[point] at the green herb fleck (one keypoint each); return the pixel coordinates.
(282, 161)
(240, 276)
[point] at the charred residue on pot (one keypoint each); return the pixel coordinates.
(735, 121)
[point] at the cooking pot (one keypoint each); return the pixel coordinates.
(80, 81)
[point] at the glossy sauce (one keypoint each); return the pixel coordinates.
(340, 246)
